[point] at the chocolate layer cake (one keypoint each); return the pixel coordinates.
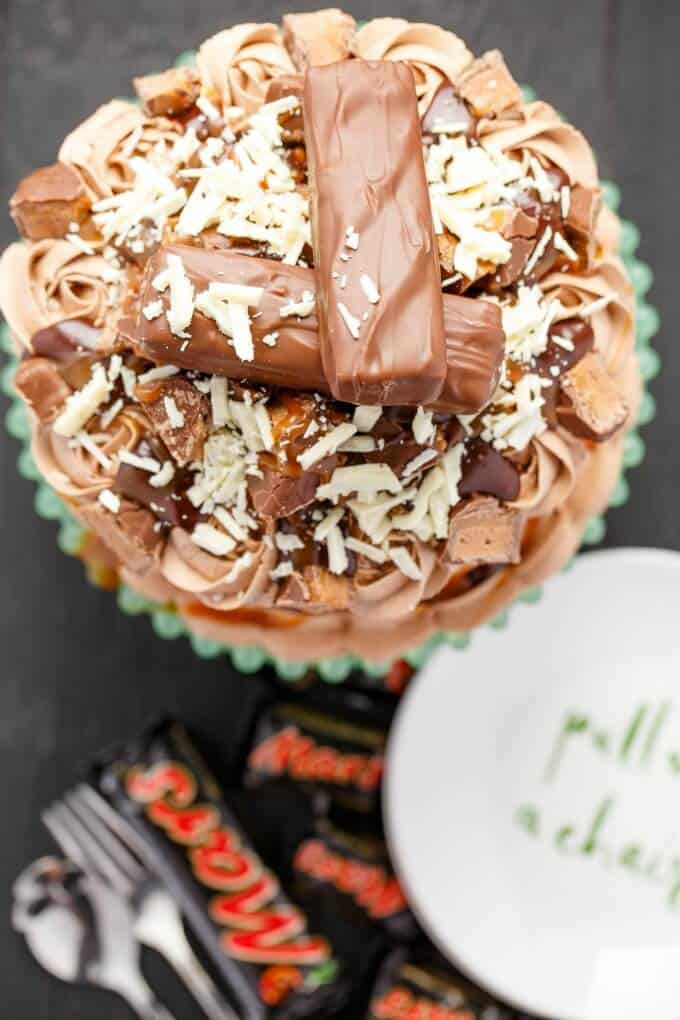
(325, 340)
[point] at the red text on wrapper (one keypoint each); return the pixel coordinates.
(260, 931)
(292, 753)
(370, 886)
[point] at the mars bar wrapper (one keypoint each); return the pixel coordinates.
(357, 868)
(419, 983)
(327, 742)
(272, 966)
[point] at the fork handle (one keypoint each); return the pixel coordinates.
(144, 1003)
(203, 988)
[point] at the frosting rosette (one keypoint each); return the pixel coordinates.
(215, 357)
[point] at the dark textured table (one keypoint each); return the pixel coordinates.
(76, 673)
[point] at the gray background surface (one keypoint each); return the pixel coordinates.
(77, 674)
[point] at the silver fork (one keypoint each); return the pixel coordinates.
(120, 858)
(116, 966)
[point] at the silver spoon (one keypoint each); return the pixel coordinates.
(80, 931)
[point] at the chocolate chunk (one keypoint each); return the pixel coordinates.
(169, 93)
(519, 223)
(48, 201)
(483, 531)
(280, 88)
(139, 245)
(183, 439)
(512, 270)
(40, 384)
(593, 407)
(487, 472)
(130, 534)
(65, 340)
(319, 37)
(279, 495)
(475, 346)
(372, 223)
(447, 108)
(167, 502)
(474, 339)
(569, 340)
(487, 85)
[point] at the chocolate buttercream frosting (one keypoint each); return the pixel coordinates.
(328, 345)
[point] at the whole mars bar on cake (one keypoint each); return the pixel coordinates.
(282, 322)
(284, 327)
(272, 966)
(379, 285)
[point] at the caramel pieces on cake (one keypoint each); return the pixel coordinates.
(487, 85)
(170, 93)
(379, 285)
(319, 37)
(49, 202)
(592, 408)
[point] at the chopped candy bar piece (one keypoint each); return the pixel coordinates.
(169, 93)
(319, 37)
(371, 215)
(179, 417)
(131, 533)
(483, 531)
(487, 85)
(584, 205)
(594, 408)
(42, 387)
(49, 202)
(584, 208)
(277, 495)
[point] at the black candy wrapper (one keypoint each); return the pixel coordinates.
(356, 870)
(273, 966)
(418, 984)
(331, 743)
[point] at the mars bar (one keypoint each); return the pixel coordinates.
(379, 285)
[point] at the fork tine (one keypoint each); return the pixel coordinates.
(64, 838)
(110, 843)
(114, 821)
(98, 860)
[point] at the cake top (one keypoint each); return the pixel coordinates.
(298, 323)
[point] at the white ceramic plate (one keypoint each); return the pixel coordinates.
(533, 796)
